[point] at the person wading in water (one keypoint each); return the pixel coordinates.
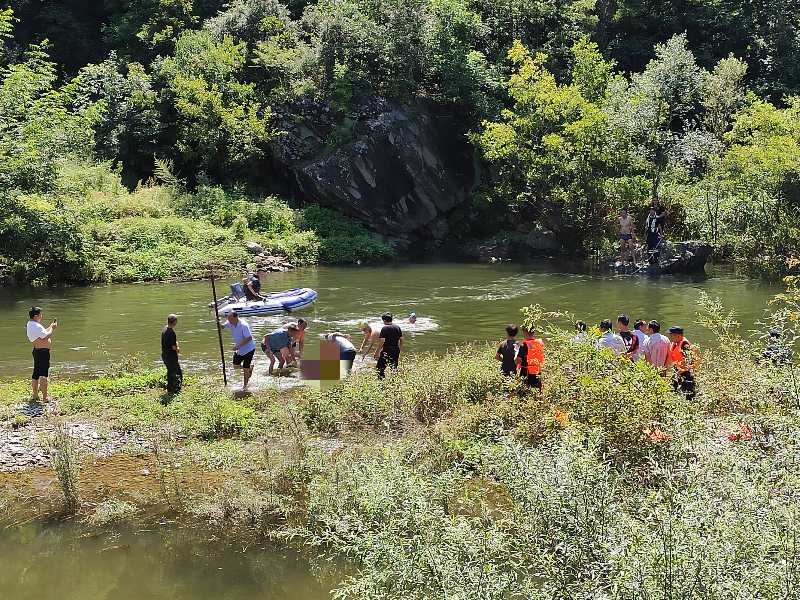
(390, 343)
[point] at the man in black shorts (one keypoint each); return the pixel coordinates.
(507, 352)
(169, 354)
(244, 346)
(390, 344)
(42, 339)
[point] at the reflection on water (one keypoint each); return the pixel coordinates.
(63, 561)
(455, 303)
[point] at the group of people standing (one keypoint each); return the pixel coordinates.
(644, 341)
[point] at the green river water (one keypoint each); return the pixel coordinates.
(456, 303)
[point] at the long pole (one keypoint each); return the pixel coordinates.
(219, 330)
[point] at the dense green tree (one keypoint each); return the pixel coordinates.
(219, 121)
(554, 152)
(128, 124)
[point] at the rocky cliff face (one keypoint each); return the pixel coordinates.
(400, 170)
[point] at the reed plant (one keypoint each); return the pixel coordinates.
(65, 456)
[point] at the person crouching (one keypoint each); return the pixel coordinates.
(278, 346)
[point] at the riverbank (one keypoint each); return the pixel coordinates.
(445, 471)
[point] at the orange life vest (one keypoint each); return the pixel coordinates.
(535, 356)
(678, 356)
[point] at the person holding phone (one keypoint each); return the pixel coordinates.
(41, 338)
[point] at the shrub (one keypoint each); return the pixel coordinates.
(111, 511)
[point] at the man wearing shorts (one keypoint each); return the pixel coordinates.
(42, 339)
(244, 347)
(625, 236)
(280, 344)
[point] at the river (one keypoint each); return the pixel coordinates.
(456, 303)
(161, 562)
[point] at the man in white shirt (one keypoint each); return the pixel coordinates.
(244, 346)
(610, 340)
(42, 339)
(656, 350)
(639, 331)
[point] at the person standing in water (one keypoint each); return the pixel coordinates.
(42, 339)
(390, 344)
(530, 359)
(347, 351)
(280, 344)
(244, 346)
(507, 351)
(169, 355)
(626, 236)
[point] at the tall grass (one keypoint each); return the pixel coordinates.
(65, 456)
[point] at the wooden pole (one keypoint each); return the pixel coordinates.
(219, 329)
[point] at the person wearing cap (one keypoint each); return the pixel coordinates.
(169, 355)
(683, 360)
(390, 344)
(412, 318)
(252, 287)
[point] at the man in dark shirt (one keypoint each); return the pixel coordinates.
(252, 287)
(507, 352)
(389, 345)
(169, 354)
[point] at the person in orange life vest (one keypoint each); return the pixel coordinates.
(530, 359)
(682, 358)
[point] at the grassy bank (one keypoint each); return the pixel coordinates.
(91, 228)
(447, 480)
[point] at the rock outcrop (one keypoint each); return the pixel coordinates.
(399, 170)
(685, 257)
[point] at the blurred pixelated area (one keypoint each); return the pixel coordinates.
(329, 368)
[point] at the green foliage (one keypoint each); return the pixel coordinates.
(218, 119)
(554, 150)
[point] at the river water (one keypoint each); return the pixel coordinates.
(64, 561)
(455, 302)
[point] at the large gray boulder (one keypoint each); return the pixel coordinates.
(399, 169)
